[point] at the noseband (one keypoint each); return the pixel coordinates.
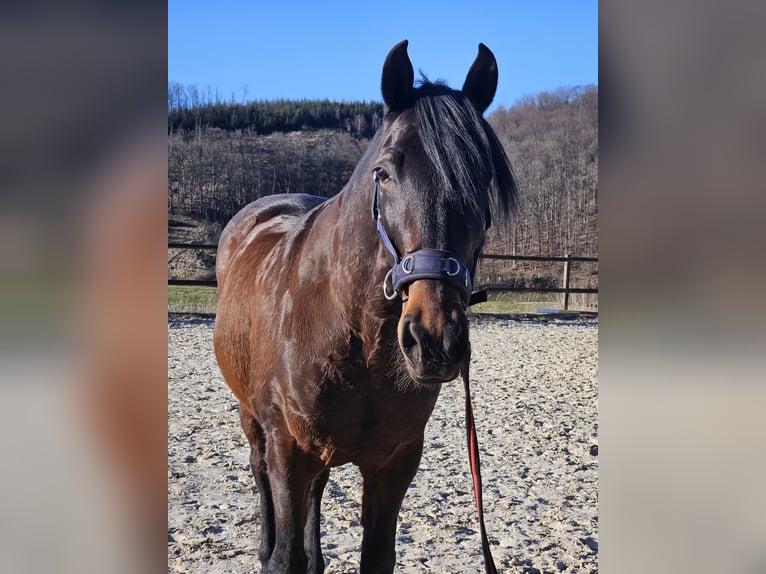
(425, 263)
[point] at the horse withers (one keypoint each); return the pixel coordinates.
(339, 319)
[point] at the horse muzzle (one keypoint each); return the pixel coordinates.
(433, 332)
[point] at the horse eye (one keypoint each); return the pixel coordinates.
(380, 174)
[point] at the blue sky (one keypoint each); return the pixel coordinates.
(335, 50)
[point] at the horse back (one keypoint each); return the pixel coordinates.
(275, 214)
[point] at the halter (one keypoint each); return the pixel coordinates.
(425, 263)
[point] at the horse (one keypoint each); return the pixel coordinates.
(339, 319)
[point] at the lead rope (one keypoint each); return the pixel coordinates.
(473, 457)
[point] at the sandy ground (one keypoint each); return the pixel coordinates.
(535, 395)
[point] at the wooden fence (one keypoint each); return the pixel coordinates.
(565, 259)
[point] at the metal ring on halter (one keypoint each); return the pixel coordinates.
(452, 260)
(389, 278)
(407, 264)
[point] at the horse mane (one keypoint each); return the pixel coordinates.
(468, 160)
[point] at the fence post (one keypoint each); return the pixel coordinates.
(566, 282)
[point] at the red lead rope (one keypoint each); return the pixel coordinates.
(473, 452)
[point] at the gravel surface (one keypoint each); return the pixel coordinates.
(535, 394)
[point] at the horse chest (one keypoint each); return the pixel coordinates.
(340, 409)
(368, 427)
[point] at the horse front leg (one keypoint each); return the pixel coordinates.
(311, 532)
(383, 492)
(291, 476)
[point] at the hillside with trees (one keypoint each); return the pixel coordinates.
(189, 109)
(221, 156)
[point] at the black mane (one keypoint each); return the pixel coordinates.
(466, 155)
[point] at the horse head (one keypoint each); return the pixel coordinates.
(439, 174)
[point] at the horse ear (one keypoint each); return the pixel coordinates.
(481, 82)
(398, 77)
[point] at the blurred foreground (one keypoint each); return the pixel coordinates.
(83, 333)
(682, 312)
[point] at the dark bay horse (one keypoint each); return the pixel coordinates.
(336, 327)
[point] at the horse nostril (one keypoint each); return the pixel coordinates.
(411, 333)
(451, 339)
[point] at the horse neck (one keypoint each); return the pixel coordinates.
(359, 265)
(358, 246)
(361, 259)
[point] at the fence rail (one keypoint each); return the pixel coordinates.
(565, 259)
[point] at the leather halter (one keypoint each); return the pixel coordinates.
(425, 263)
